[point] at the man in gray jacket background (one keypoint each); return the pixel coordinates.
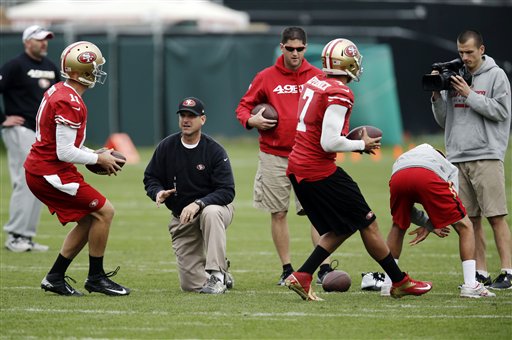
(476, 120)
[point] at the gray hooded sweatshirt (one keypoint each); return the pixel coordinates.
(477, 127)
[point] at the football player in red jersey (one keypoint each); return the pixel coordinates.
(279, 85)
(331, 199)
(55, 181)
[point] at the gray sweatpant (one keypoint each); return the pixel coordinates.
(201, 245)
(24, 208)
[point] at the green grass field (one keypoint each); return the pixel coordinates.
(256, 308)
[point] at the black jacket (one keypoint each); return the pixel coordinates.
(23, 82)
(203, 172)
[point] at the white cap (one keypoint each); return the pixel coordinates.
(36, 32)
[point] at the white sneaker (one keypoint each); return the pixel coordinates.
(372, 281)
(38, 247)
(22, 244)
(478, 291)
(385, 289)
(18, 244)
(213, 286)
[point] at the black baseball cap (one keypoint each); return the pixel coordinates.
(191, 104)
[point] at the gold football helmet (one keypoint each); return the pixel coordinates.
(83, 61)
(341, 57)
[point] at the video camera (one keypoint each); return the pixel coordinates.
(442, 81)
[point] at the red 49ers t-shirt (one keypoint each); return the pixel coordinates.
(61, 104)
(308, 161)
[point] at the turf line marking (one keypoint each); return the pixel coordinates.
(255, 314)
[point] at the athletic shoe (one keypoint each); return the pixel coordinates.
(503, 281)
(409, 286)
(385, 289)
(321, 275)
(229, 280)
(102, 284)
(486, 281)
(56, 283)
(300, 283)
(37, 246)
(478, 291)
(18, 244)
(213, 286)
(284, 275)
(372, 281)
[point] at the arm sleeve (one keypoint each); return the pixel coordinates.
(331, 139)
(496, 107)
(153, 177)
(254, 95)
(222, 180)
(66, 149)
(439, 109)
(421, 219)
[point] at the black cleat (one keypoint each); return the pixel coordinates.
(102, 284)
(56, 283)
(284, 275)
(486, 281)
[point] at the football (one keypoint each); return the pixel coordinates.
(336, 281)
(357, 133)
(269, 113)
(98, 169)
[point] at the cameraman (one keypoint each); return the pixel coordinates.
(476, 120)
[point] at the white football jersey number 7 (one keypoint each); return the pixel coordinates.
(308, 96)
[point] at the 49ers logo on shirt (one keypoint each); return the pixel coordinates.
(87, 57)
(282, 89)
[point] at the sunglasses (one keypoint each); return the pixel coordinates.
(291, 49)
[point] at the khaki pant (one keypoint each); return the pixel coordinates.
(482, 188)
(272, 188)
(200, 245)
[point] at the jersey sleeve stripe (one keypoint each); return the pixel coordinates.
(343, 99)
(61, 120)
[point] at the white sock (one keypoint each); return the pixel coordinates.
(387, 279)
(483, 273)
(218, 274)
(507, 270)
(468, 270)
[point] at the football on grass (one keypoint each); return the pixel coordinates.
(98, 169)
(269, 113)
(336, 281)
(357, 133)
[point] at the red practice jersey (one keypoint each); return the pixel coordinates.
(61, 104)
(308, 161)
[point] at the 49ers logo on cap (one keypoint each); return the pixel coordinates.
(189, 102)
(86, 57)
(351, 51)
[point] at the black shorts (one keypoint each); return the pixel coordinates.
(334, 204)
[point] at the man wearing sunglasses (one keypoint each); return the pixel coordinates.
(23, 81)
(278, 85)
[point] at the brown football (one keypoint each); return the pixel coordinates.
(269, 113)
(357, 133)
(336, 281)
(98, 169)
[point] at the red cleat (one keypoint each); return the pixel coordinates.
(300, 283)
(409, 286)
